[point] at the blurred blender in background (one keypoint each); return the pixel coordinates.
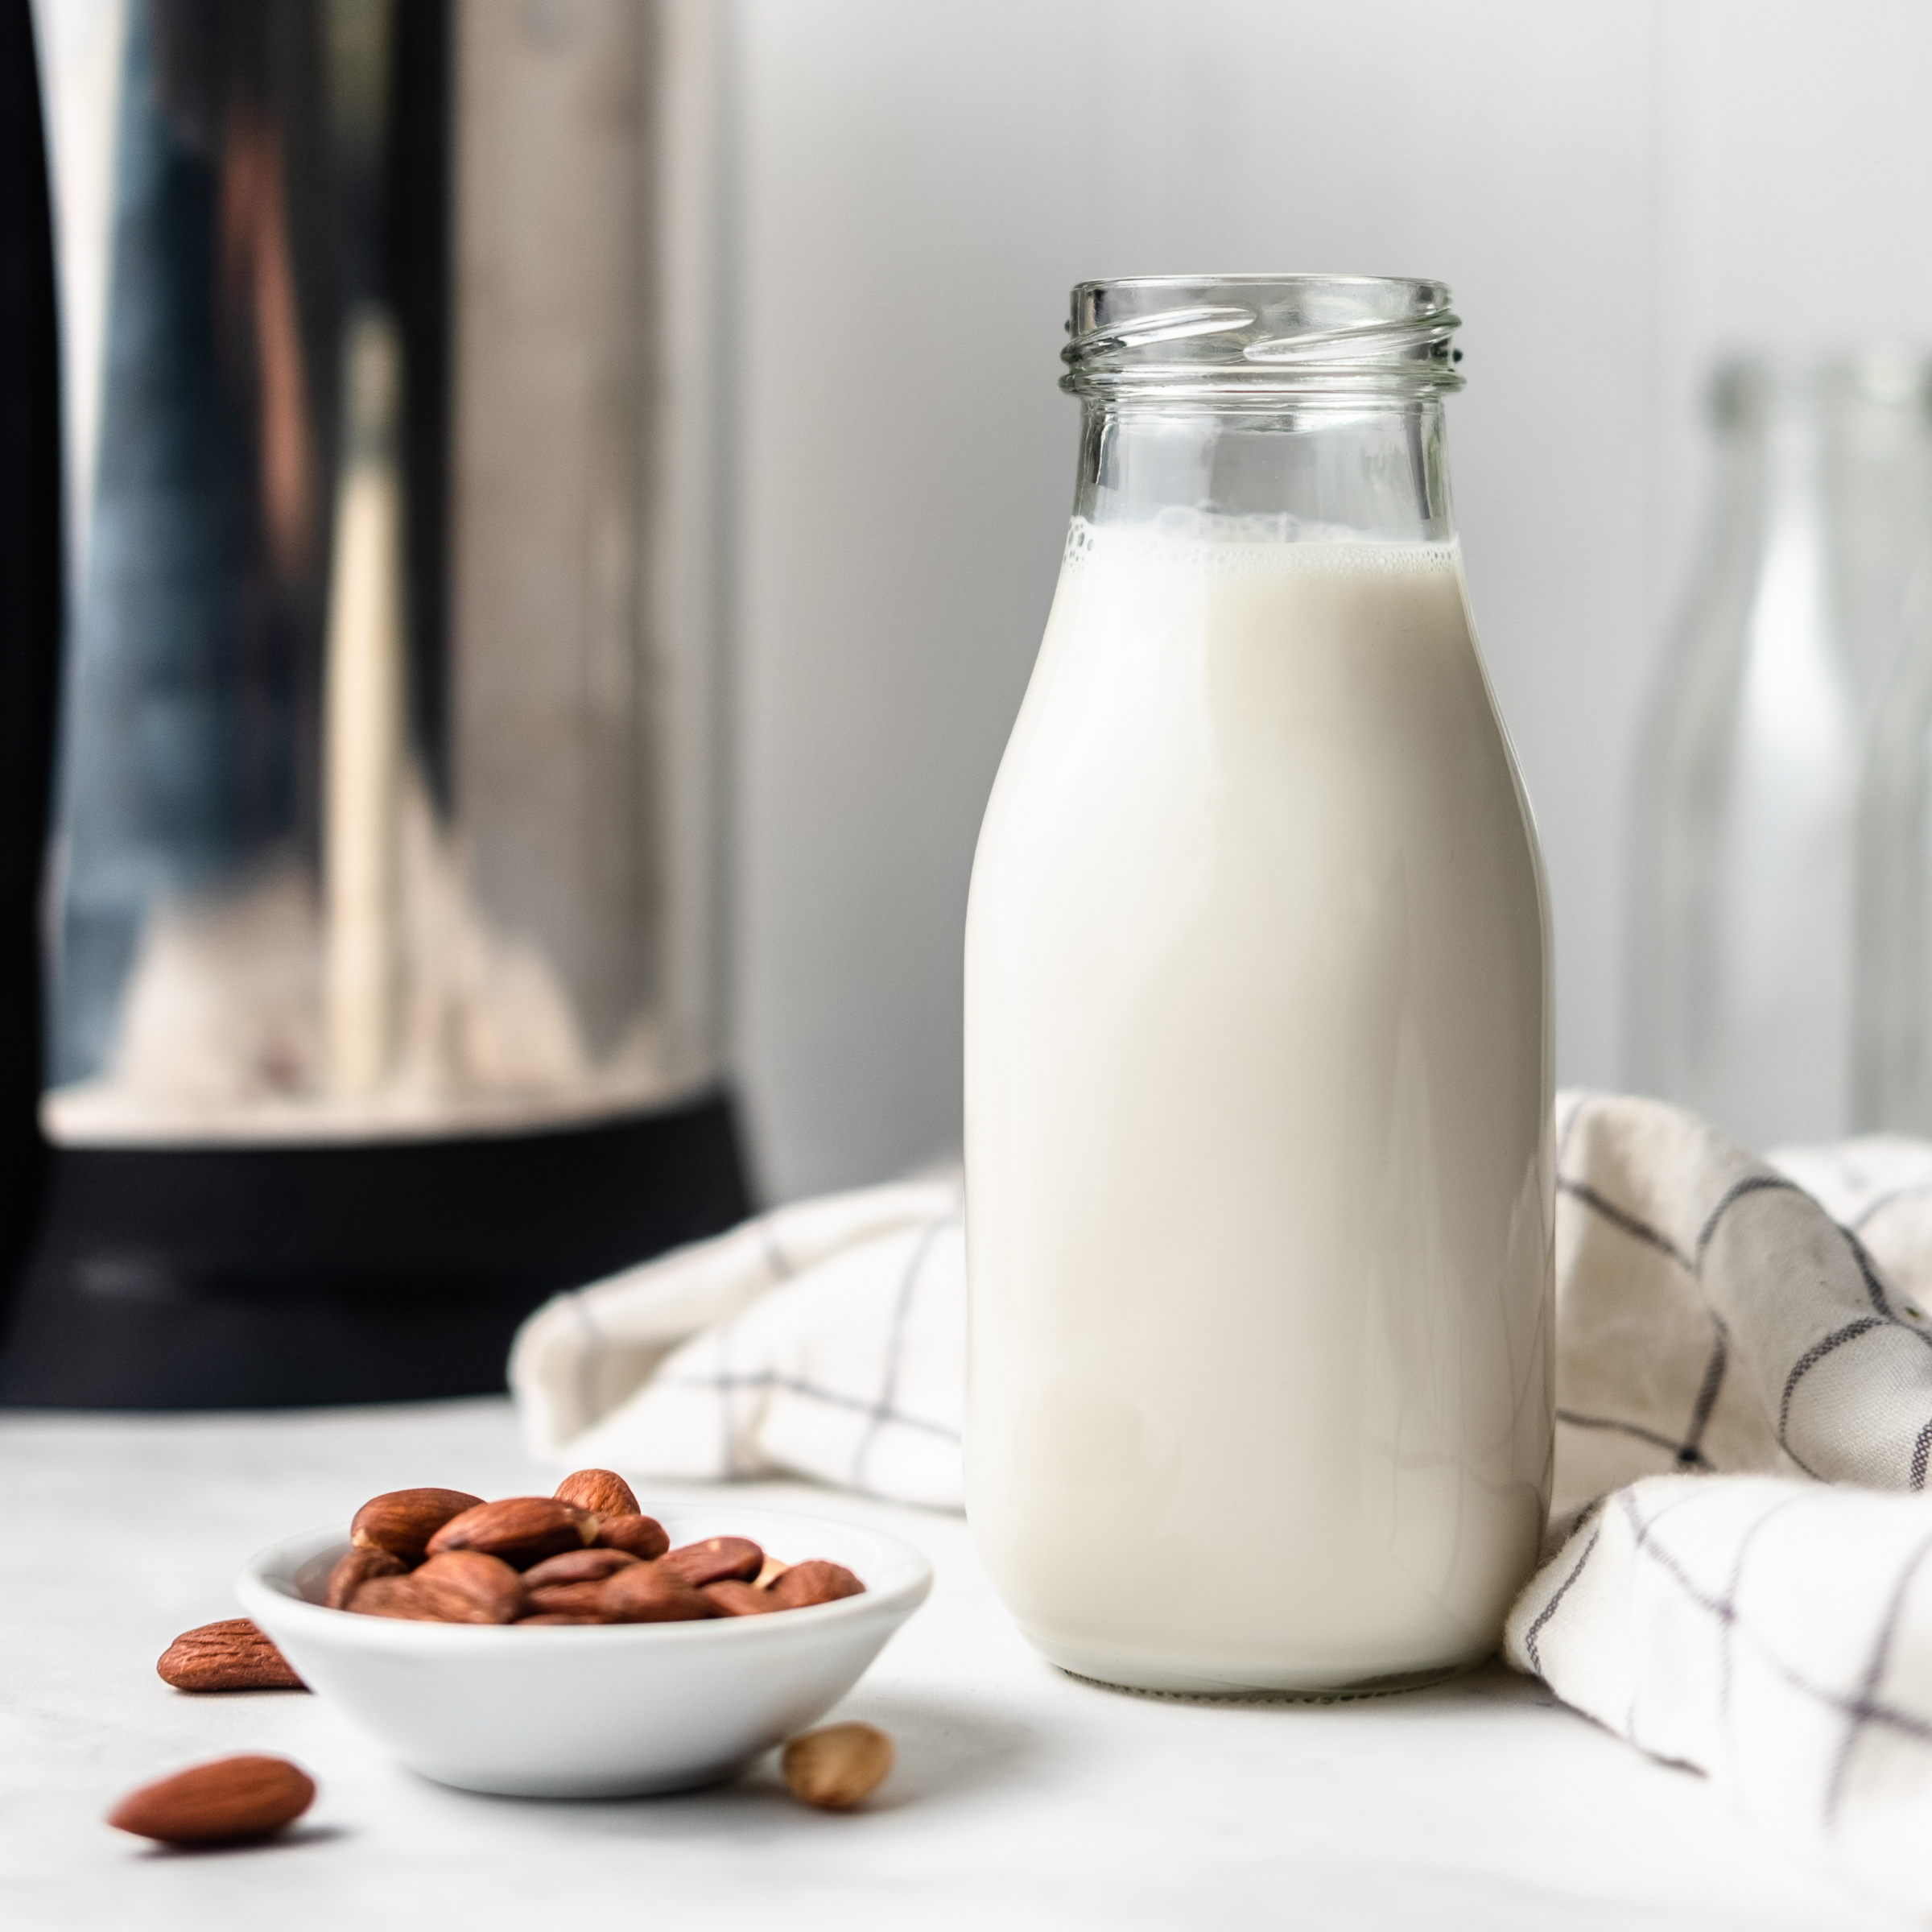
(384, 959)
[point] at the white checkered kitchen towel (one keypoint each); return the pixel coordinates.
(1767, 1618)
(1742, 1364)
(824, 1340)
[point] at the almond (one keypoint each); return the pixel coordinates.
(218, 1803)
(602, 1492)
(232, 1655)
(454, 1586)
(834, 1767)
(771, 1574)
(643, 1536)
(816, 1581)
(651, 1593)
(400, 1597)
(584, 1599)
(717, 1558)
(358, 1567)
(488, 1584)
(549, 1616)
(577, 1566)
(735, 1598)
(403, 1521)
(520, 1529)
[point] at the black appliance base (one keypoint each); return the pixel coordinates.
(275, 1277)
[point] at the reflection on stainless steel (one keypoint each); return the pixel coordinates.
(387, 761)
(362, 722)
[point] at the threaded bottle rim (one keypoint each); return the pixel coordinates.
(1231, 338)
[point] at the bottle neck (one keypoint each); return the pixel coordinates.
(1329, 469)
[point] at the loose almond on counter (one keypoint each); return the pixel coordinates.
(232, 1655)
(224, 1802)
(834, 1768)
(520, 1529)
(717, 1558)
(602, 1492)
(403, 1521)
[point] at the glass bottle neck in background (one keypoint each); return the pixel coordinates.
(1324, 470)
(1832, 465)
(1875, 466)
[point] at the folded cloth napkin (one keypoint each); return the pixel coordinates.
(1743, 1357)
(1769, 1620)
(826, 1339)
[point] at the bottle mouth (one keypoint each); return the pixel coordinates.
(1260, 335)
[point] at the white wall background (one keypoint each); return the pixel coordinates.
(1614, 191)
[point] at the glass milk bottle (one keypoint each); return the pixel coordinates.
(1257, 1042)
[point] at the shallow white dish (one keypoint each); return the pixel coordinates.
(597, 1710)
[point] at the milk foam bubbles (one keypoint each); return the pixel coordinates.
(1257, 1096)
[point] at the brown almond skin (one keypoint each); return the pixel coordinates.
(589, 1566)
(401, 1597)
(583, 1599)
(224, 1802)
(651, 1593)
(602, 1492)
(816, 1581)
(232, 1655)
(402, 1521)
(546, 1616)
(734, 1599)
(460, 1587)
(486, 1582)
(358, 1567)
(717, 1559)
(519, 1530)
(834, 1768)
(643, 1536)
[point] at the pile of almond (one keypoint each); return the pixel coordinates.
(585, 1555)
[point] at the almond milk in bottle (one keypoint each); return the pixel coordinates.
(1257, 1064)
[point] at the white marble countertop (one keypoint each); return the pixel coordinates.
(1022, 1797)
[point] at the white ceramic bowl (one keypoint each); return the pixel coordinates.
(593, 1711)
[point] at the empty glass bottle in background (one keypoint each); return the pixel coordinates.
(1892, 1051)
(1743, 920)
(1877, 453)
